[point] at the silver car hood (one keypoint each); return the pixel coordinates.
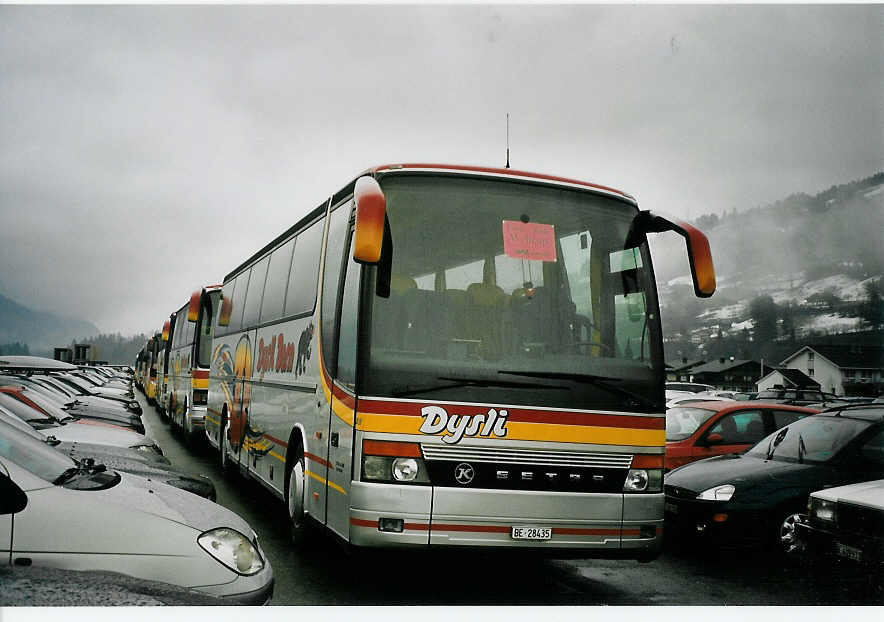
(97, 434)
(868, 494)
(153, 497)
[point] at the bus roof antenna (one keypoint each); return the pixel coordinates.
(507, 140)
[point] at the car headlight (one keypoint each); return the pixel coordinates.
(822, 509)
(718, 493)
(149, 449)
(643, 480)
(232, 549)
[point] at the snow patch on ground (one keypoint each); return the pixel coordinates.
(832, 323)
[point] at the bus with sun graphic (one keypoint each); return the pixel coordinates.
(454, 356)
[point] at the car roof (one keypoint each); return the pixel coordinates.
(866, 412)
(33, 363)
(728, 405)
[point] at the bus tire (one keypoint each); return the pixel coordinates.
(295, 496)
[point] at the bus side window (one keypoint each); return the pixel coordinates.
(301, 294)
(277, 281)
(330, 281)
(255, 294)
(239, 297)
(346, 376)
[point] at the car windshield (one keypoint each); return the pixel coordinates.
(45, 403)
(32, 455)
(683, 421)
(812, 440)
(519, 289)
(26, 412)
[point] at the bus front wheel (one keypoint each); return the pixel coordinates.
(295, 493)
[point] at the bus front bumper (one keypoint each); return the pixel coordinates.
(603, 525)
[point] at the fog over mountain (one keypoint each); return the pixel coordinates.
(818, 258)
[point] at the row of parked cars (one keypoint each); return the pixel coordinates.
(801, 480)
(83, 488)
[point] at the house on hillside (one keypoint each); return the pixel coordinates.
(728, 374)
(681, 369)
(833, 366)
(788, 378)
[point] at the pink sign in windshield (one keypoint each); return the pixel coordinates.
(529, 240)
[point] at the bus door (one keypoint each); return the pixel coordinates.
(340, 302)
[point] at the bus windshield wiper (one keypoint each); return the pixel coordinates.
(605, 382)
(472, 382)
(802, 449)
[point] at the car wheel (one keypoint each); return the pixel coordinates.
(295, 493)
(787, 534)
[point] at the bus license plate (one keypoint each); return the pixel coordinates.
(532, 533)
(849, 552)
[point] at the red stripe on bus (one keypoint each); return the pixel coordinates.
(499, 171)
(562, 531)
(316, 458)
(345, 398)
(276, 440)
(412, 409)
(201, 374)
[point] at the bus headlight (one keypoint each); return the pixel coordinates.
(405, 469)
(393, 461)
(643, 480)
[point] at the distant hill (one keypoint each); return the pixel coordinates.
(40, 330)
(816, 259)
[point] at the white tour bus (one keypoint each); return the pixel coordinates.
(454, 356)
(189, 358)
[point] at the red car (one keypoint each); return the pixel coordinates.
(705, 429)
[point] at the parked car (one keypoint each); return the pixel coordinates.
(846, 522)
(714, 428)
(694, 398)
(55, 406)
(78, 516)
(40, 368)
(692, 387)
(756, 497)
(74, 430)
(119, 458)
(25, 586)
(51, 397)
(745, 395)
(798, 397)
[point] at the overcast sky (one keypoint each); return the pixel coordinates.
(147, 150)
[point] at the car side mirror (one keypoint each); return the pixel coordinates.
(713, 439)
(12, 498)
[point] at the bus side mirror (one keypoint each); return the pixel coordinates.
(12, 498)
(699, 254)
(166, 326)
(371, 206)
(193, 308)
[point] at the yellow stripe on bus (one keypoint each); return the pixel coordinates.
(342, 411)
(322, 480)
(197, 383)
(399, 424)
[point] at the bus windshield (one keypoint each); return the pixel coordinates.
(513, 292)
